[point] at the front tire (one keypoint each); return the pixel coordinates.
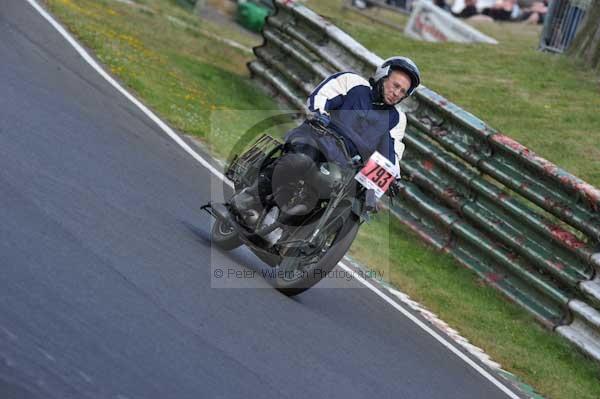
(224, 235)
(291, 285)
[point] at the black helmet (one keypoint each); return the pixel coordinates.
(403, 64)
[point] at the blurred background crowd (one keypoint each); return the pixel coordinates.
(528, 11)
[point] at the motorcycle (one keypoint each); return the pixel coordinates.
(305, 237)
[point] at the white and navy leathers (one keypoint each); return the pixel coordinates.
(348, 100)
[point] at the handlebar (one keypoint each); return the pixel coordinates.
(354, 162)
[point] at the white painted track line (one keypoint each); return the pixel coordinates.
(90, 60)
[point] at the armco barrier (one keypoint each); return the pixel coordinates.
(525, 226)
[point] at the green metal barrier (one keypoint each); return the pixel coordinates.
(527, 227)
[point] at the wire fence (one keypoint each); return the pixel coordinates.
(562, 21)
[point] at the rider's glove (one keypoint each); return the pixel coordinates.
(322, 119)
(394, 188)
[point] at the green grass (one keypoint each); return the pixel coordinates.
(171, 60)
(505, 331)
(544, 101)
(197, 84)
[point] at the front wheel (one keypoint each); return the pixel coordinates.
(224, 235)
(297, 272)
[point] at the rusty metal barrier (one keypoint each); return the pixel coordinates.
(525, 226)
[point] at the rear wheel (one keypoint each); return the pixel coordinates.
(224, 235)
(301, 269)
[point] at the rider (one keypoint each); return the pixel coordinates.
(364, 113)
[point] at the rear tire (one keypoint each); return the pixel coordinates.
(224, 235)
(290, 286)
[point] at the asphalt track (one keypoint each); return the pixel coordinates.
(105, 289)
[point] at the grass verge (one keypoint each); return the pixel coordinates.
(547, 102)
(176, 64)
(505, 331)
(173, 61)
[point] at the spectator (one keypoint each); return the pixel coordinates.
(503, 10)
(536, 13)
(442, 4)
(403, 4)
(359, 4)
(469, 10)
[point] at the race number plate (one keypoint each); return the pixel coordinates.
(377, 174)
